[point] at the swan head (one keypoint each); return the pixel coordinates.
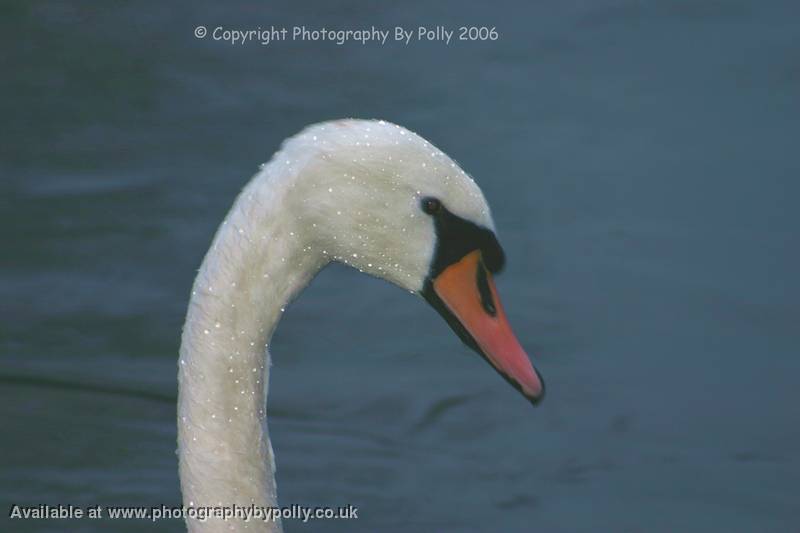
(384, 200)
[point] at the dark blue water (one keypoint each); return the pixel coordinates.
(642, 161)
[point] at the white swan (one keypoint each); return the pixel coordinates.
(369, 194)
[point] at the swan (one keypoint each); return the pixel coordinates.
(369, 194)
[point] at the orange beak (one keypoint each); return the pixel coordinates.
(468, 292)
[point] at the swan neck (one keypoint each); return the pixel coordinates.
(258, 262)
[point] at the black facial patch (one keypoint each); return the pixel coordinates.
(456, 237)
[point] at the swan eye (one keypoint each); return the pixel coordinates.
(431, 205)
